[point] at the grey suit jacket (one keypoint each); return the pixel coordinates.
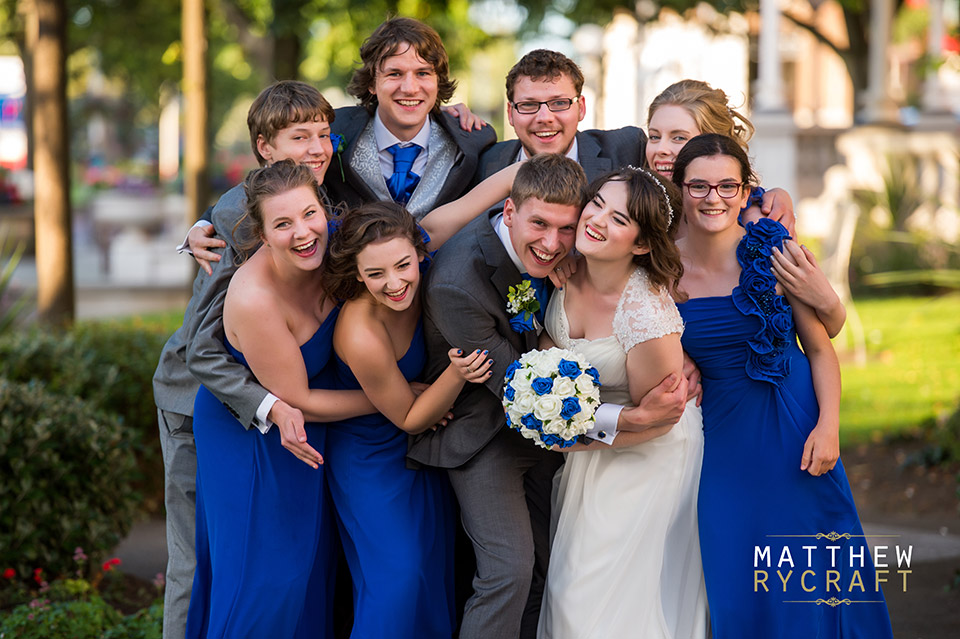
(350, 188)
(600, 152)
(174, 385)
(465, 306)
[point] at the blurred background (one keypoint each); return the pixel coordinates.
(121, 121)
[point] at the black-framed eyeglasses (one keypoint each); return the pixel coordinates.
(726, 190)
(557, 104)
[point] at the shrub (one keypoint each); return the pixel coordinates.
(85, 619)
(942, 441)
(75, 608)
(67, 472)
(110, 365)
(146, 624)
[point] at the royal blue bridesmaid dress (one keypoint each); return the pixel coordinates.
(396, 523)
(758, 512)
(265, 533)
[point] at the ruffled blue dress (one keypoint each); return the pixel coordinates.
(265, 537)
(784, 554)
(396, 523)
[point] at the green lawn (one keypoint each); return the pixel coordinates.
(913, 365)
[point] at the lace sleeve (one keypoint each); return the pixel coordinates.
(644, 313)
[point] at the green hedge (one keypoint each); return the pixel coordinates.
(108, 364)
(68, 472)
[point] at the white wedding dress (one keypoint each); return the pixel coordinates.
(625, 557)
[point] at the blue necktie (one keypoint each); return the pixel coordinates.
(403, 181)
(540, 290)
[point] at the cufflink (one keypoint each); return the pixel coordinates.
(602, 434)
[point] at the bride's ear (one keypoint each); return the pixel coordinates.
(641, 249)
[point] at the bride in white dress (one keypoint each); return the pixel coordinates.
(625, 558)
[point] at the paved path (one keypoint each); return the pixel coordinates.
(927, 610)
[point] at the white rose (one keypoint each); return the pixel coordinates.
(523, 403)
(564, 387)
(521, 382)
(585, 384)
(547, 407)
(533, 359)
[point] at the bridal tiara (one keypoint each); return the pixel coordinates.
(656, 180)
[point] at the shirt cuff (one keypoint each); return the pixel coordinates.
(185, 245)
(605, 427)
(262, 423)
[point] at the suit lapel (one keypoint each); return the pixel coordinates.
(589, 151)
(352, 130)
(455, 182)
(503, 274)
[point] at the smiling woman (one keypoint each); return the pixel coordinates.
(403, 580)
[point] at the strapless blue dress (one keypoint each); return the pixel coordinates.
(265, 535)
(396, 523)
(758, 512)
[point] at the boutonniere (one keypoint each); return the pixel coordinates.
(522, 304)
(336, 141)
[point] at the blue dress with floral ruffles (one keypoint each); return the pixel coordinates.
(758, 512)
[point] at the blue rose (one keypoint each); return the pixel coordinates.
(769, 367)
(762, 342)
(531, 422)
(592, 372)
(768, 232)
(781, 305)
(755, 284)
(762, 264)
(511, 369)
(522, 322)
(509, 423)
(571, 406)
(743, 302)
(509, 392)
(541, 385)
(781, 323)
(568, 368)
(552, 440)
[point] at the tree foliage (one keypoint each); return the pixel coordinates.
(856, 16)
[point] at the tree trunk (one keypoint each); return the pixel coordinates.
(46, 39)
(286, 56)
(857, 53)
(196, 155)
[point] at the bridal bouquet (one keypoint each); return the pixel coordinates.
(550, 396)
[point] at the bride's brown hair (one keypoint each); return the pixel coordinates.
(654, 204)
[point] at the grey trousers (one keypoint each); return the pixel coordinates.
(504, 493)
(180, 499)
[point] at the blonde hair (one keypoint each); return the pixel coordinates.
(708, 107)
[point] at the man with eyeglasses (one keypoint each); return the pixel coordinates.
(545, 108)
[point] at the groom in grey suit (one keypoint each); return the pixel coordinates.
(502, 481)
(401, 84)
